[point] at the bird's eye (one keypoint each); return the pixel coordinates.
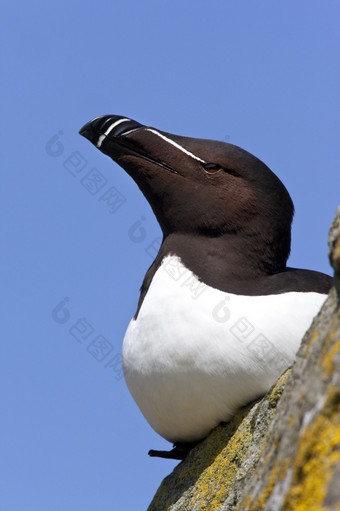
(212, 168)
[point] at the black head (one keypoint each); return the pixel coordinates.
(201, 187)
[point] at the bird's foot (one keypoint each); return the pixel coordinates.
(179, 452)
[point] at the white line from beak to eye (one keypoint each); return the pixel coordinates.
(175, 145)
(110, 128)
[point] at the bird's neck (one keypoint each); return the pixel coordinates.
(227, 262)
(218, 259)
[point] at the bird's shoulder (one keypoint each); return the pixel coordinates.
(295, 279)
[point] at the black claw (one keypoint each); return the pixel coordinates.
(179, 452)
(174, 454)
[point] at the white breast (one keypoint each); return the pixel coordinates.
(196, 354)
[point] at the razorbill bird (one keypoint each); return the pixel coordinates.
(220, 316)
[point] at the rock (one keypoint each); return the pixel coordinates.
(283, 451)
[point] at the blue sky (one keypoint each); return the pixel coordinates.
(263, 75)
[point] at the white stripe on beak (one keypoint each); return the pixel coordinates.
(110, 128)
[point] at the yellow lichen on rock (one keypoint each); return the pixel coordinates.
(318, 453)
(204, 480)
(262, 499)
(328, 359)
(275, 393)
(308, 344)
(210, 468)
(216, 480)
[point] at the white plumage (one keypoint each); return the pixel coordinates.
(195, 354)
